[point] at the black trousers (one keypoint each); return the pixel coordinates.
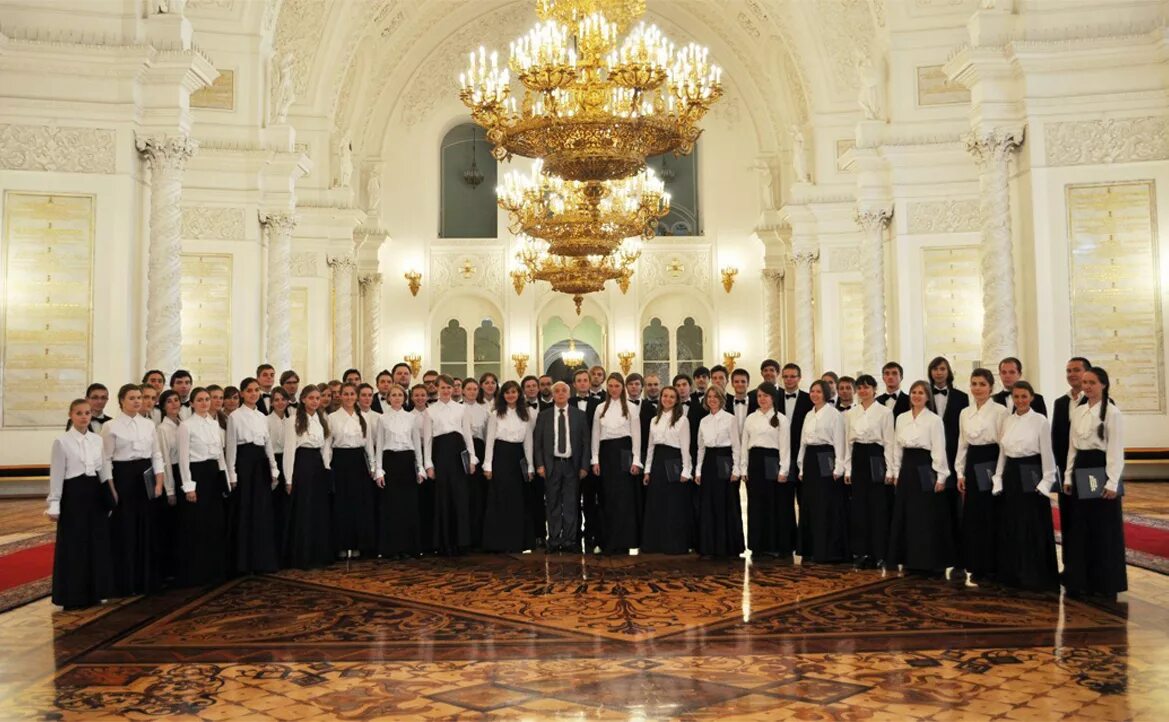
(562, 502)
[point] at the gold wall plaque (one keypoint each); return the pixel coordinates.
(934, 88)
(851, 328)
(220, 95)
(207, 338)
(298, 315)
(1116, 288)
(952, 306)
(47, 317)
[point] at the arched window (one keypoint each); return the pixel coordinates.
(467, 205)
(488, 353)
(452, 344)
(655, 346)
(689, 337)
(681, 178)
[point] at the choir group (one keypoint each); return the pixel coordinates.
(188, 486)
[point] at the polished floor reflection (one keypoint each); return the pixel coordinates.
(538, 637)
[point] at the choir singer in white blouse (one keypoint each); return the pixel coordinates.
(720, 513)
(868, 472)
(616, 457)
(824, 508)
(398, 450)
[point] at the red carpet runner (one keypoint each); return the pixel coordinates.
(25, 575)
(1145, 540)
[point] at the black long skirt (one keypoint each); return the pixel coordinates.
(771, 511)
(204, 528)
(1098, 566)
(477, 492)
(979, 549)
(251, 527)
(83, 572)
(308, 541)
(534, 503)
(668, 510)
(505, 527)
(920, 537)
(619, 495)
(279, 504)
(824, 511)
(399, 526)
(1026, 537)
(132, 531)
(720, 514)
(354, 502)
(168, 541)
(869, 507)
(452, 505)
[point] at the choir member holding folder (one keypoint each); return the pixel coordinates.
(449, 451)
(308, 542)
(203, 515)
(824, 509)
(616, 460)
(354, 491)
(253, 473)
(400, 472)
(720, 516)
(507, 470)
(868, 472)
(771, 496)
(979, 428)
(668, 508)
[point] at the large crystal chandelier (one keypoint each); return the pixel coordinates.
(578, 275)
(593, 107)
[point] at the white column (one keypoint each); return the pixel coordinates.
(874, 221)
(1000, 330)
(167, 157)
(773, 307)
(279, 226)
(371, 314)
(343, 268)
(805, 348)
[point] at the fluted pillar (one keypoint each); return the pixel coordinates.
(343, 268)
(773, 307)
(805, 346)
(278, 227)
(371, 315)
(874, 221)
(1000, 330)
(167, 157)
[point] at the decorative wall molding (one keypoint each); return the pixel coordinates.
(948, 216)
(306, 264)
(683, 267)
(1108, 140)
(224, 224)
(472, 268)
(841, 259)
(57, 149)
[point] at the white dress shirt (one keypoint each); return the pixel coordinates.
(940, 400)
(276, 432)
(312, 438)
(248, 426)
(447, 418)
(873, 425)
(758, 432)
(127, 438)
(168, 444)
(925, 431)
(678, 436)
(978, 426)
(741, 410)
(824, 427)
(1083, 435)
(73, 454)
(1023, 436)
(477, 416)
(719, 430)
(200, 439)
(511, 428)
(398, 430)
(346, 433)
(372, 417)
(612, 425)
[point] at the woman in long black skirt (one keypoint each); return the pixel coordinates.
(720, 515)
(420, 399)
(354, 490)
(308, 541)
(398, 448)
(1024, 476)
(669, 510)
(1097, 454)
(80, 504)
(166, 518)
(771, 495)
(920, 537)
(979, 427)
(132, 459)
(253, 472)
(824, 509)
(203, 521)
(616, 457)
(477, 411)
(448, 437)
(508, 469)
(277, 415)
(868, 469)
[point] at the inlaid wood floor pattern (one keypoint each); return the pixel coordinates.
(644, 637)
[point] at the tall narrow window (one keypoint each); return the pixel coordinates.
(467, 205)
(689, 346)
(681, 178)
(488, 353)
(452, 344)
(655, 343)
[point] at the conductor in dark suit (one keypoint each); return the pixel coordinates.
(560, 452)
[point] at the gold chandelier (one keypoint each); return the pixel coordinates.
(578, 275)
(582, 219)
(592, 108)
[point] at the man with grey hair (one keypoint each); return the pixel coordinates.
(560, 454)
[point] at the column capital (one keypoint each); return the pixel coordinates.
(342, 263)
(993, 144)
(279, 220)
(773, 274)
(873, 218)
(169, 152)
(805, 256)
(369, 280)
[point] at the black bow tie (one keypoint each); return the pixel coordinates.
(533, 404)
(791, 396)
(187, 404)
(740, 401)
(844, 408)
(635, 401)
(942, 392)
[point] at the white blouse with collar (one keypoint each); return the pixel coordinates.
(74, 454)
(925, 431)
(512, 429)
(719, 430)
(1023, 436)
(612, 425)
(978, 426)
(1085, 420)
(677, 436)
(873, 425)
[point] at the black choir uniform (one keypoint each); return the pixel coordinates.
(765, 459)
(203, 523)
(720, 514)
(1024, 477)
(919, 535)
(448, 436)
(398, 451)
(869, 443)
(616, 448)
(949, 403)
(669, 509)
(252, 473)
(1061, 423)
(264, 403)
(308, 542)
(560, 446)
(593, 523)
(82, 566)
(1038, 405)
(354, 491)
(130, 450)
(508, 456)
(897, 403)
(795, 405)
(979, 431)
(647, 409)
(534, 489)
(824, 511)
(280, 501)
(477, 414)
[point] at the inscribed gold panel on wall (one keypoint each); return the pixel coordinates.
(206, 292)
(1116, 288)
(48, 265)
(952, 305)
(851, 328)
(298, 312)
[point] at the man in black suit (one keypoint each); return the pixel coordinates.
(894, 398)
(1061, 425)
(720, 377)
(794, 403)
(596, 383)
(769, 370)
(698, 385)
(739, 400)
(845, 393)
(948, 404)
(693, 409)
(530, 387)
(545, 392)
(590, 486)
(560, 453)
(831, 378)
(266, 377)
(381, 397)
(1010, 371)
